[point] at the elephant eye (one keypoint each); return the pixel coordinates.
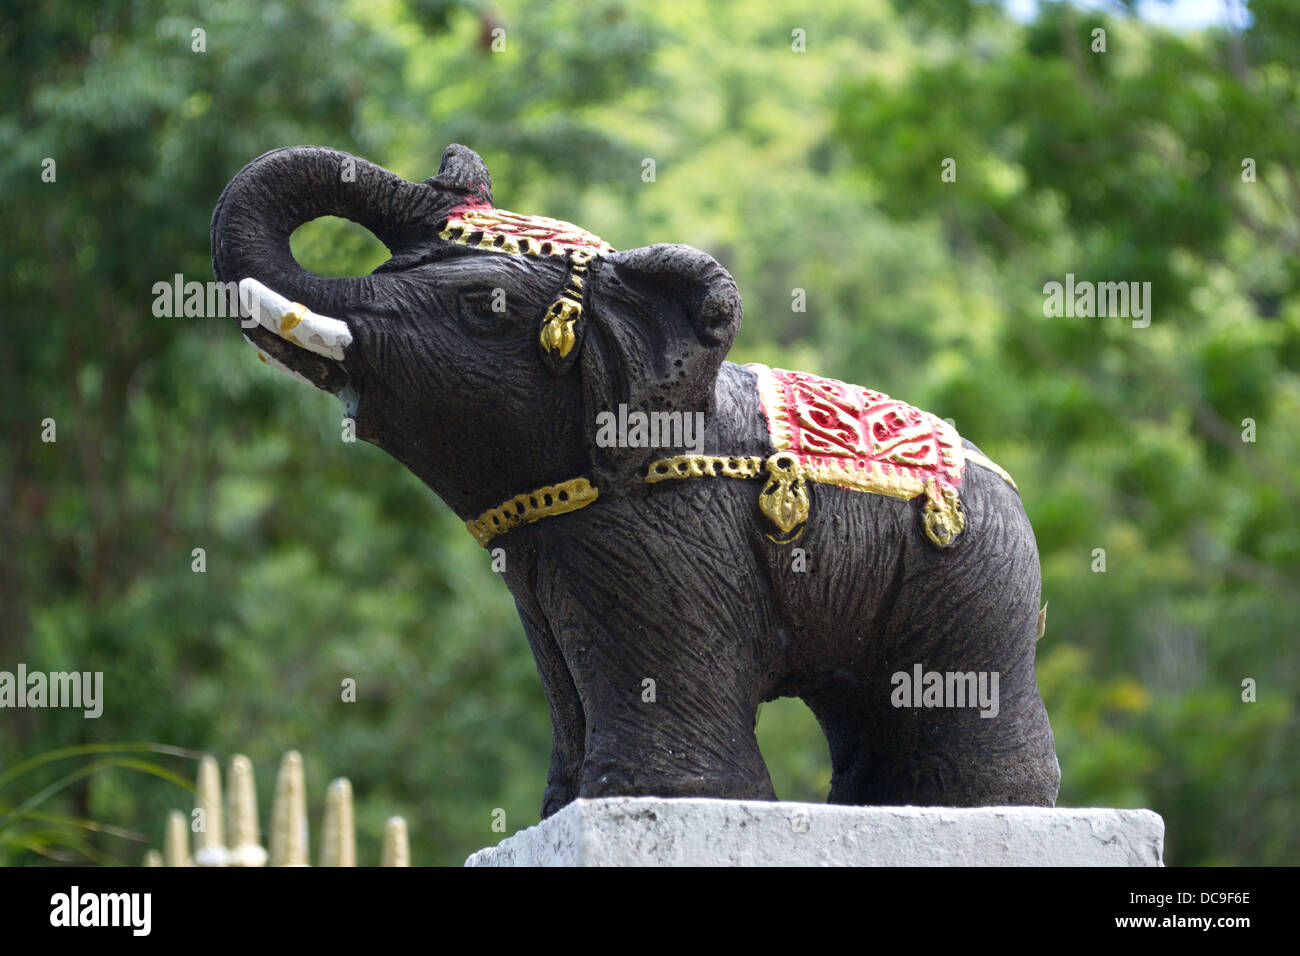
(484, 308)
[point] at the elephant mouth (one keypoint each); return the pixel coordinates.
(287, 335)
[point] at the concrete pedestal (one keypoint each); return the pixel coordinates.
(648, 831)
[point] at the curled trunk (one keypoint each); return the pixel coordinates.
(280, 190)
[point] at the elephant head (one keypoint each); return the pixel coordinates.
(480, 354)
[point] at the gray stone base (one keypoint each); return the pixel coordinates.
(647, 831)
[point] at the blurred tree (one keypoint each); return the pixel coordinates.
(815, 171)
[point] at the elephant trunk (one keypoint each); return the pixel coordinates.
(280, 190)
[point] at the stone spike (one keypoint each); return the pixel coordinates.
(176, 840)
(289, 814)
(396, 851)
(338, 845)
(241, 800)
(153, 858)
(210, 848)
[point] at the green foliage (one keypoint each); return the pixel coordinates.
(66, 838)
(817, 171)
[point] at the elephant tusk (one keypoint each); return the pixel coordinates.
(293, 321)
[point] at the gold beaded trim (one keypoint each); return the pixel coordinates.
(704, 466)
(504, 231)
(558, 325)
(524, 509)
(784, 499)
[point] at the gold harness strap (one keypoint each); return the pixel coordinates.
(784, 499)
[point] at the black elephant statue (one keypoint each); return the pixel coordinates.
(684, 537)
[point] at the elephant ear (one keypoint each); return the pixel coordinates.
(662, 319)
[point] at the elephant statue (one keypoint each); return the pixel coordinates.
(684, 537)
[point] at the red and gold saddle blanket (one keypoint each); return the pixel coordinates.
(834, 433)
(852, 437)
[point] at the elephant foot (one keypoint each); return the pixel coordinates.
(556, 797)
(622, 781)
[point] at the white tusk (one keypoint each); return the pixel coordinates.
(292, 321)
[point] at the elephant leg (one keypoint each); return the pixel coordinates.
(688, 742)
(846, 723)
(949, 760)
(941, 756)
(976, 614)
(568, 724)
(658, 729)
(969, 612)
(665, 639)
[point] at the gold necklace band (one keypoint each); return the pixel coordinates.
(557, 499)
